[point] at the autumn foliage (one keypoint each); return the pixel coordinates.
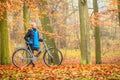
(63, 72)
(66, 32)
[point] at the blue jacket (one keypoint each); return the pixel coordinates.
(32, 37)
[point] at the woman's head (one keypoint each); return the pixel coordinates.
(33, 25)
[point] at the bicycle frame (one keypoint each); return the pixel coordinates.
(28, 56)
(30, 50)
(46, 49)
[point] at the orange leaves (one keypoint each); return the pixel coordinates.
(10, 6)
(2, 9)
(114, 2)
(104, 18)
(63, 72)
(52, 35)
(14, 5)
(108, 17)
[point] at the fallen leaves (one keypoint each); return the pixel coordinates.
(63, 72)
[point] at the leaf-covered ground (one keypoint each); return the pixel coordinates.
(63, 72)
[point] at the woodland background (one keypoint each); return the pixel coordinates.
(62, 24)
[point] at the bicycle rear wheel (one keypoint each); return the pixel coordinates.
(21, 58)
(55, 60)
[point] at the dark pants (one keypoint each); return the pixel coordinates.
(38, 50)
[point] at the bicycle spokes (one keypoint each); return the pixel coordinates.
(21, 58)
(55, 60)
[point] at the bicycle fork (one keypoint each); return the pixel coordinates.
(47, 49)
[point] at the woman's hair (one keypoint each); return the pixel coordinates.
(33, 24)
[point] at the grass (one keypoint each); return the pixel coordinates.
(71, 54)
(75, 55)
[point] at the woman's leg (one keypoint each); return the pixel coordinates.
(32, 61)
(39, 51)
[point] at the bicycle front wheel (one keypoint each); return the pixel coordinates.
(56, 58)
(21, 58)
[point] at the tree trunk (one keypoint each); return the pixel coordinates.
(87, 35)
(84, 31)
(97, 36)
(5, 60)
(119, 11)
(26, 16)
(50, 41)
(45, 22)
(0, 45)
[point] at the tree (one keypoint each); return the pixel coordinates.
(0, 46)
(26, 16)
(4, 36)
(118, 10)
(84, 31)
(97, 35)
(45, 21)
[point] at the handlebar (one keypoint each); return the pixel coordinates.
(41, 40)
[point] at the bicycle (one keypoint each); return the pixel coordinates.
(23, 57)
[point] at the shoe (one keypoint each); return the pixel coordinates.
(33, 64)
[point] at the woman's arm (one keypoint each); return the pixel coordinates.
(27, 36)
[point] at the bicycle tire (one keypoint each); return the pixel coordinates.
(21, 57)
(59, 55)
